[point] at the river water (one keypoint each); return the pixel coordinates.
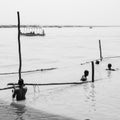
(64, 49)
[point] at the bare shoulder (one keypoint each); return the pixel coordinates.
(83, 78)
(25, 87)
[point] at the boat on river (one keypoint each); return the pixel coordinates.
(33, 33)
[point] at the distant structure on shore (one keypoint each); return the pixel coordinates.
(31, 32)
(90, 27)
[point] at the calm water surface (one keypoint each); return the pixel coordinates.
(64, 49)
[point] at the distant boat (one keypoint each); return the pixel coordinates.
(33, 33)
(90, 27)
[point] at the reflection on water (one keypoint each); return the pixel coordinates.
(89, 90)
(67, 48)
(109, 73)
(92, 96)
(19, 111)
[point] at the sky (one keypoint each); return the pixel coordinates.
(61, 12)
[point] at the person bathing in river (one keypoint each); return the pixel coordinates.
(110, 67)
(20, 92)
(84, 77)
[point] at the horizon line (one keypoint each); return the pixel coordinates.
(58, 26)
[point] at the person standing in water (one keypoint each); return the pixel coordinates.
(20, 92)
(84, 77)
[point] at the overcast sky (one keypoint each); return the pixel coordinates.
(51, 12)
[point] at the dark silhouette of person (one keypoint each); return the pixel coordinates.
(97, 62)
(20, 92)
(84, 77)
(110, 67)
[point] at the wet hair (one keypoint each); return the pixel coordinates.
(109, 65)
(97, 62)
(86, 72)
(20, 82)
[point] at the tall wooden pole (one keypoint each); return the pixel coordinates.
(100, 50)
(93, 71)
(19, 46)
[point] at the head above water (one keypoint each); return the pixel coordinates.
(97, 62)
(20, 82)
(86, 73)
(109, 66)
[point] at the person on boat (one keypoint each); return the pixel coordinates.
(84, 77)
(20, 92)
(110, 67)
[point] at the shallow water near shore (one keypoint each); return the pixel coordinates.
(64, 49)
(17, 111)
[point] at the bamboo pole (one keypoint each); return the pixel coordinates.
(92, 71)
(100, 48)
(46, 84)
(19, 46)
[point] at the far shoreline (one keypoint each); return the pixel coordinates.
(58, 26)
